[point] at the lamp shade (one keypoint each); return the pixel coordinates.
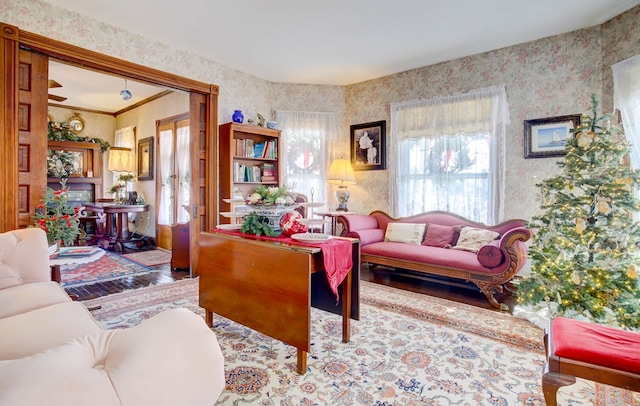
(341, 173)
(120, 160)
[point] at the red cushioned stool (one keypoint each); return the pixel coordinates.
(578, 349)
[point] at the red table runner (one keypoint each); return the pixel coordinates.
(336, 255)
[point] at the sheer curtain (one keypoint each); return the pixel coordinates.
(183, 163)
(449, 154)
(305, 137)
(164, 204)
(626, 98)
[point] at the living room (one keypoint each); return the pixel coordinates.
(550, 77)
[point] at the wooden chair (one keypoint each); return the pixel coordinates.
(578, 349)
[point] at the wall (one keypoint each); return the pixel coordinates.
(545, 78)
(97, 125)
(144, 118)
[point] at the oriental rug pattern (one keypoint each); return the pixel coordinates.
(149, 257)
(108, 267)
(407, 349)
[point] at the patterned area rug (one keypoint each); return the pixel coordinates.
(150, 257)
(108, 267)
(407, 349)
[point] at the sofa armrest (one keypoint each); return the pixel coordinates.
(128, 366)
(361, 226)
(508, 239)
(24, 257)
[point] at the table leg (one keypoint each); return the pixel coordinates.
(346, 308)
(302, 361)
(208, 318)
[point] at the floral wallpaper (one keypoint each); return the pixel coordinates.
(544, 78)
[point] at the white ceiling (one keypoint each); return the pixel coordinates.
(341, 42)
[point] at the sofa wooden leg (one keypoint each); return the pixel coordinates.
(551, 382)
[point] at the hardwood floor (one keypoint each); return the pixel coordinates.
(468, 294)
(165, 275)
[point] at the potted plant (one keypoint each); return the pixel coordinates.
(59, 220)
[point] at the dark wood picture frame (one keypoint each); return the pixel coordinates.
(145, 159)
(546, 137)
(369, 146)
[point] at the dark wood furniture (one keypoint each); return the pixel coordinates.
(121, 212)
(234, 149)
(180, 257)
(561, 371)
(270, 287)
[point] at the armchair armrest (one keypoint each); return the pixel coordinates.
(24, 257)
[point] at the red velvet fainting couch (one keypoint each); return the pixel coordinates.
(491, 268)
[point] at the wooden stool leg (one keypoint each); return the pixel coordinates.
(551, 382)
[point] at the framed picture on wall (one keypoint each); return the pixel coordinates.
(368, 146)
(145, 159)
(547, 137)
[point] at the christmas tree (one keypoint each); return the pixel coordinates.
(584, 251)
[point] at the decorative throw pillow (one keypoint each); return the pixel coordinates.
(472, 239)
(405, 232)
(490, 255)
(438, 235)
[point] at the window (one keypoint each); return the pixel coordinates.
(304, 140)
(626, 95)
(449, 155)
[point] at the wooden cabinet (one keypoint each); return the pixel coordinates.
(249, 157)
(87, 160)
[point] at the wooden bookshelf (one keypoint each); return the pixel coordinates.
(243, 162)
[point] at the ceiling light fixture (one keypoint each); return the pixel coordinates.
(125, 94)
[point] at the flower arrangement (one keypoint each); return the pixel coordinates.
(269, 204)
(121, 183)
(57, 218)
(271, 196)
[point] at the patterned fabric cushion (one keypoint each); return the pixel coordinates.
(438, 236)
(405, 232)
(472, 239)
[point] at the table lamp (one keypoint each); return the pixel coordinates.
(341, 174)
(120, 159)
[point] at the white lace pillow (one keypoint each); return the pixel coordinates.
(405, 232)
(472, 239)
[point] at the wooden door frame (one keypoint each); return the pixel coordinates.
(12, 39)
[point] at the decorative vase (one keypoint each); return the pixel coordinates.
(237, 116)
(273, 214)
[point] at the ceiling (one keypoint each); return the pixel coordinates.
(338, 42)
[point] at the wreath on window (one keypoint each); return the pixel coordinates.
(60, 163)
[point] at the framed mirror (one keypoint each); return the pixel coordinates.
(76, 124)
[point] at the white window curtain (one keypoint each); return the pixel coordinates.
(164, 203)
(626, 98)
(305, 136)
(184, 172)
(125, 138)
(448, 153)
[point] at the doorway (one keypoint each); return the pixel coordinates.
(203, 107)
(174, 176)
